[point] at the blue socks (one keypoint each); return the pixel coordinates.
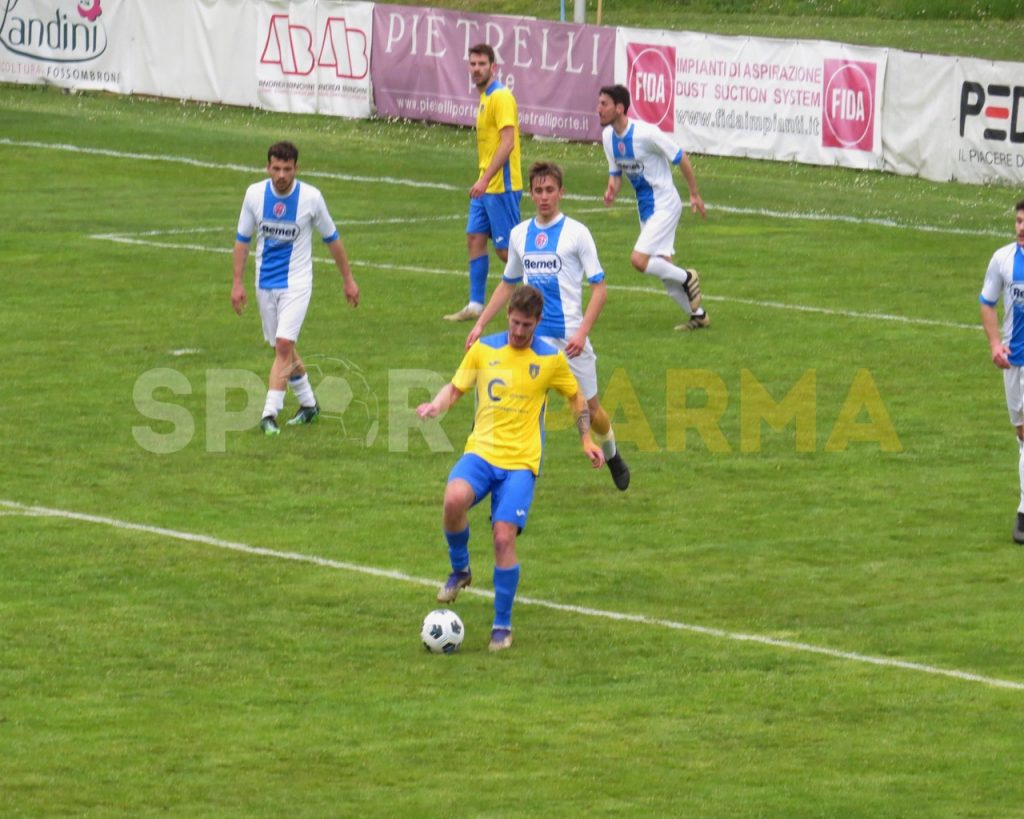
(478, 279)
(458, 549)
(506, 581)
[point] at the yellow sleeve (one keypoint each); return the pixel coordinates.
(563, 381)
(504, 110)
(465, 377)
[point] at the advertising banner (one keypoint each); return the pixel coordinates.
(806, 101)
(67, 43)
(942, 118)
(988, 137)
(950, 118)
(420, 68)
(314, 57)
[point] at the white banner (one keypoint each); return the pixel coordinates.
(814, 102)
(304, 56)
(918, 121)
(200, 50)
(314, 57)
(67, 43)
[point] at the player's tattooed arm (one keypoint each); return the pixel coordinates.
(583, 421)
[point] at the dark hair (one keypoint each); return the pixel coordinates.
(486, 50)
(1020, 205)
(526, 300)
(285, 151)
(619, 95)
(538, 169)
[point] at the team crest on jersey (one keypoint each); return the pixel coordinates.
(541, 240)
(534, 370)
(279, 209)
(621, 148)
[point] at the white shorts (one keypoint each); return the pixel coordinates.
(584, 366)
(283, 312)
(1013, 383)
(658, 234)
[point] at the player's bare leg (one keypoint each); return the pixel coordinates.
(601, 429)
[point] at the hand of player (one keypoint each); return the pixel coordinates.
(609, 197)
(479, 189)
(474, 334)
(697, 205)
(1000, 356)
(238, 298)
(574, 346)
(427, 410)
(352, 292)
(594, 452)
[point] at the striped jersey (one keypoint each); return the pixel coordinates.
(498, 110)
(283, 226)
(511, 396)
(1005, 279)
(555, 258)
(646, 156)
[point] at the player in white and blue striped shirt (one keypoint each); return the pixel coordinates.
(556, 254)
(1004, 280)
(282, 212)
(646, 156)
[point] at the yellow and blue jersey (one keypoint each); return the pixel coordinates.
(498, 110)
(511, 396)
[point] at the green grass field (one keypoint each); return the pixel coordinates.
(807, 603)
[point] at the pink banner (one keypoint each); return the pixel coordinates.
(420, 68)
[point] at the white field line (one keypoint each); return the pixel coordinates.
(219, 166)
(138, 239)
(390, 180)
(15, 508)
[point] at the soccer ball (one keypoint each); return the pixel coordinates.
(442, 631)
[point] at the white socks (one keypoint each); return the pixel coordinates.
(275, 403)
(303, 391)
(678, 294)
(666, 271)
(606, 442)
(674, 278)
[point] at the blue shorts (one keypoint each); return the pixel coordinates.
(511, 489)
(494, 215)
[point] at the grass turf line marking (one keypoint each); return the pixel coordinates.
(129, 239)
(15, 508)
(390, 180)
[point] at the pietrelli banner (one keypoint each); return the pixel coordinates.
(555, 70)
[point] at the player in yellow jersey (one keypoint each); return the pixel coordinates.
(511, 374)
(494, 197)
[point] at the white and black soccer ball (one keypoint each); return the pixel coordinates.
(442, 631)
